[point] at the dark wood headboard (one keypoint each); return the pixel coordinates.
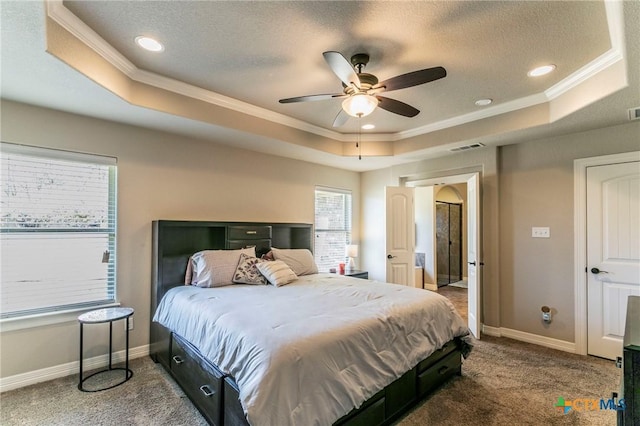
(175, 241)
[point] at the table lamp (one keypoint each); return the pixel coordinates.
(351, 252)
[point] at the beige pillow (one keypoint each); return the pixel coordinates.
(277, 272)
(215, 268)
(299, 260)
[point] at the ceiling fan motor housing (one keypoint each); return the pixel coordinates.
(367, 81)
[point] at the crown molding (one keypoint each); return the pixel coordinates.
(499, 109)
(615, 18)
(615, 21)
(70, 22)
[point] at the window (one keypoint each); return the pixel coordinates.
(57, 230)
(332, 227)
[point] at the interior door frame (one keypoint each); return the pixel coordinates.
(580, 166)
(463, 178)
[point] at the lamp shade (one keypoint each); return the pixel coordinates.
(360, 104)
(351, 251)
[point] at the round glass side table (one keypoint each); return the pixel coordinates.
(100, 316)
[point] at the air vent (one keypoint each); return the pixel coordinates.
(634, 113)
(467, 147)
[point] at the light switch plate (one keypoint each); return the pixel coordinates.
(540, 232)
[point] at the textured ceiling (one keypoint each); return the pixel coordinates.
(259, 52)
(244, 56)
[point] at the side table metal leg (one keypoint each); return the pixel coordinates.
(110, 342)
(126, 352)
(81, 354)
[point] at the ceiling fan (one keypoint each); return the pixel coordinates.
(361, 90)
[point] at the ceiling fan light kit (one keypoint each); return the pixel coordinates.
(361, 90)
(360, 104)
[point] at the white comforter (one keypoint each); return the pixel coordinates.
(309, 352)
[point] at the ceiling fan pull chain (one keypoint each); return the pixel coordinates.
(359, 142)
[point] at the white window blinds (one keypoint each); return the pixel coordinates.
(332, 226)
(57, 230)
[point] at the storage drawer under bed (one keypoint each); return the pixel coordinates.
(445, 350)
(382, 408)
(439, 373)
(200, 380)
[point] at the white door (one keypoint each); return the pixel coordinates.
(613, 253)
(473, 254)
(400, 235)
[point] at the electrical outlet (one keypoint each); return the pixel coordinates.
(130, 323)
(540, 232)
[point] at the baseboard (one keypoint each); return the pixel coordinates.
(63, 370)
(561, 345)
(491, 331)
(432, 287)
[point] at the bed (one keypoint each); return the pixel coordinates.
(315, 351)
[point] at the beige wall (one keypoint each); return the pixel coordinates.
(536, 189)
(164, 176)
(523, 185)
(160, 176)
(483, 161)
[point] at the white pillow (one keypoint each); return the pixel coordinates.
(299, 260)
(277, 272)
(215, 268)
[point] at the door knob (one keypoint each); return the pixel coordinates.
(598, 271)
(390, 256)
(472, 263)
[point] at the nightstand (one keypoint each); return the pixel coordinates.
(357, 274)
(100, 316)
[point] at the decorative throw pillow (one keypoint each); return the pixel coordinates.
(215, 268)
(299, 260)
(247, 272)
(277, 272)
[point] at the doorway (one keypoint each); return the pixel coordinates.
(466, 300)
(448, 242)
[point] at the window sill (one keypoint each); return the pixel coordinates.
(50, 318)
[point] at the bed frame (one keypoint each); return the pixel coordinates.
(216, 394)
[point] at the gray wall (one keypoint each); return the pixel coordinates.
(164, 176)
(160, 176)
(523, 185)
(536, 189)
(373, 223)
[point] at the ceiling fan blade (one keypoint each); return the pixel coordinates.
(341, 118)
(342, 68)
(312, 98)
(413, 78)
(397, 107)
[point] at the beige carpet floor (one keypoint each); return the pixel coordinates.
(504, 382)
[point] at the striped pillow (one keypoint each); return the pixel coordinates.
(277, 272)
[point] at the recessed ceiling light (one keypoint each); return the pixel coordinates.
(149, 44)
(543, 70)
(484, 102)
(368, 126)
